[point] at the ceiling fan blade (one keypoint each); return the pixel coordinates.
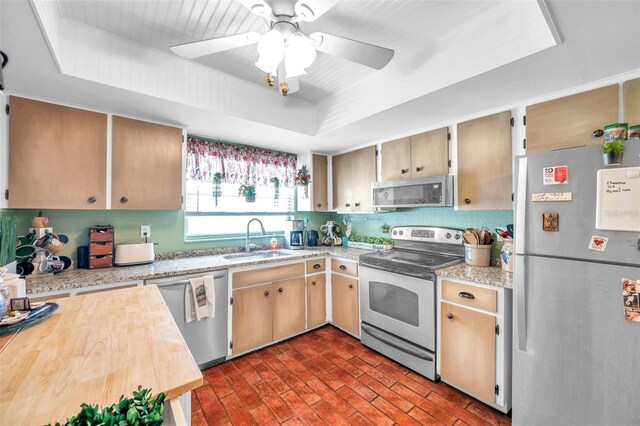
(356, 51)
(310, 10)
(214, 45)
(258, 7)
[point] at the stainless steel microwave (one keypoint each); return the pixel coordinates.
(433, 191)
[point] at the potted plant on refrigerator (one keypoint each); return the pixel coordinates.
(248, 192)
(612, 152)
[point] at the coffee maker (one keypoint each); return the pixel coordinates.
(293, 234)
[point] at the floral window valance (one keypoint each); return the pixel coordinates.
(238, 164)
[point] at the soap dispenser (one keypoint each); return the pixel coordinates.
(274, 242)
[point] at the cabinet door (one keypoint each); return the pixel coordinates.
(252, 317)
(344, 303)
(632, 102)
(316, 300)
(147, 166)
(319, 182)
(484, 163)
(430, 153)
(57, 156)
(364, 174)
(468, 350)
(288, 307)
(342, 181)
(396, 159)
(570, 121)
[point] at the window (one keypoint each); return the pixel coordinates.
(222, 169)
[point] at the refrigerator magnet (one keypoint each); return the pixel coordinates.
(555, 175)
(631, 299)
(550, 222)
(598, 243)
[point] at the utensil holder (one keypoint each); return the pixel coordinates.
(477, 255)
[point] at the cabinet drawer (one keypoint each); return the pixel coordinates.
(315, 266)
(97, 235)
(477, 297)
(267, 275)
(102, 261)
(346, 267)
(96, 249)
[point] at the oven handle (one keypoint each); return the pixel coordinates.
(384, 339)
(426, 276)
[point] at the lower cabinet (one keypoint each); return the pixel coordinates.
(316, 300)
(252, 317)
(288, 307)
(344, 303)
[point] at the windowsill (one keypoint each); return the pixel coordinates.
(214, 238)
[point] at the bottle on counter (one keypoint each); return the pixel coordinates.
(274, 242)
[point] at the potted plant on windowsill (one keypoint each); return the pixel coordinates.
(248, 192)
(612, 152)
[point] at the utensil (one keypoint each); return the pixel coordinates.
(470, 237)
(487, 238)
(481, 236)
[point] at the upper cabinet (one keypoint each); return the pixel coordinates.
(421, 155)
(484, 163)
(353, 174)
(571, 121)
(57, 156)
(632, 102)
(147, 166)
(315, 197)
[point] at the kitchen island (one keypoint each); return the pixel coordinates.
(94, 349)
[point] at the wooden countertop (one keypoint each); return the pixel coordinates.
(93, 349)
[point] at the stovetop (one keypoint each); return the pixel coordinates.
(408, 260)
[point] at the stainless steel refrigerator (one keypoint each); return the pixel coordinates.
(576, 360)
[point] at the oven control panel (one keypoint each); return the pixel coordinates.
(427, 234)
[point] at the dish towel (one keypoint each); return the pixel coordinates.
(200, 299)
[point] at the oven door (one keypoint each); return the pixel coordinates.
(398, 304)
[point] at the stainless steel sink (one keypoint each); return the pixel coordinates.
(264, 254)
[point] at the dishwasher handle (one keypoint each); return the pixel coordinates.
(184, 282)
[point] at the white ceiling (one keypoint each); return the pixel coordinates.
(253, 114)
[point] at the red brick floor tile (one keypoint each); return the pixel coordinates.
(217, 381)
(442, 415)
(263, 416)
(329, 395)
(372, 371)
(299, 387)
(295, 366)
(364, 407)
(329, 379)
(328, 414)
(345, 365)
(301, 409)
(273, 401)
(293, 421)
(242, 363)
(386, 393)
(464, 415)
(243, 389)
(250, 375)
(443, 389)
(423, 417)
(394, 412)
(354, 384)
(489, 414)
(358, 419)
(272, 378)
(237, 412)
(270, 359)
(395, 374)
(227, 368)
(210, 405)
(198, 419)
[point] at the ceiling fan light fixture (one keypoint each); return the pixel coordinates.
(299, 53)
(271, 51)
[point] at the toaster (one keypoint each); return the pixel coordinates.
(134, 254)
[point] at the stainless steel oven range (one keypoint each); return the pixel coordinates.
(398, 294)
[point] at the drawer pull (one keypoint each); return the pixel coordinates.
(266, 293)
(347, 205)
(419, 169)
(467, 201)
(350, 285)
(313, 283)
(318, 205)
(357, 204)
(404, 171)
(343, 267)
(466, 295)
(91, 200)
(317, 266)
(280, 290)
(124, 200)
(450, 315)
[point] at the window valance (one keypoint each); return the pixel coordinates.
(238, 164)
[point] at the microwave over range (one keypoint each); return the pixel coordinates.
(432, 191)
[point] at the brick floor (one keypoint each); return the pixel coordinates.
(327, 377)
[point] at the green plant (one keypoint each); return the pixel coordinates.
(276, 189)
(369, 240)
(142, 409)
(248, 192)
(612, 147)
(385, 228)
(217, 187)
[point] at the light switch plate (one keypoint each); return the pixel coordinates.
(147, 229)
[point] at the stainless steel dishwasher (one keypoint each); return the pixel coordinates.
(207, 338)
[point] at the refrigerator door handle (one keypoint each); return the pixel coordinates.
(521, 302)
(521, 205)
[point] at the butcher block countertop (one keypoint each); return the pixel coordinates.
(93, 349)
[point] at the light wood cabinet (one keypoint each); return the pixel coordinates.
(316, 300)
(319, 181)
(571, 121)
(345, 312)
(288, 307)
(353, 174)
(484, 163)
(252, 317)
(147, 166)
(631, 93)
(421, 155)
(57, 156)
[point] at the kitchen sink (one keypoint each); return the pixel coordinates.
(264, 254)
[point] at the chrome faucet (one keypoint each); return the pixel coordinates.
(247, 246)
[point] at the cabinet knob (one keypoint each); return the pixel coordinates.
(347, 205)
(124, 200)
(404, 171)
(350, 285)
(313, 283)
(466, 295)
(91, 200)
(419, 169)
(317, 266)
(343, 267)
(266, 293)
(280, 290)
(357, 204)
(450, 315)
(467, 201)
(318, 205)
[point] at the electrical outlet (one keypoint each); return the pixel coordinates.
(145, 229)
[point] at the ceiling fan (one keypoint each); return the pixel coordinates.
(284, 50)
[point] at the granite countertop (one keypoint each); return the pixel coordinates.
(81, 278)
(490, 275)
